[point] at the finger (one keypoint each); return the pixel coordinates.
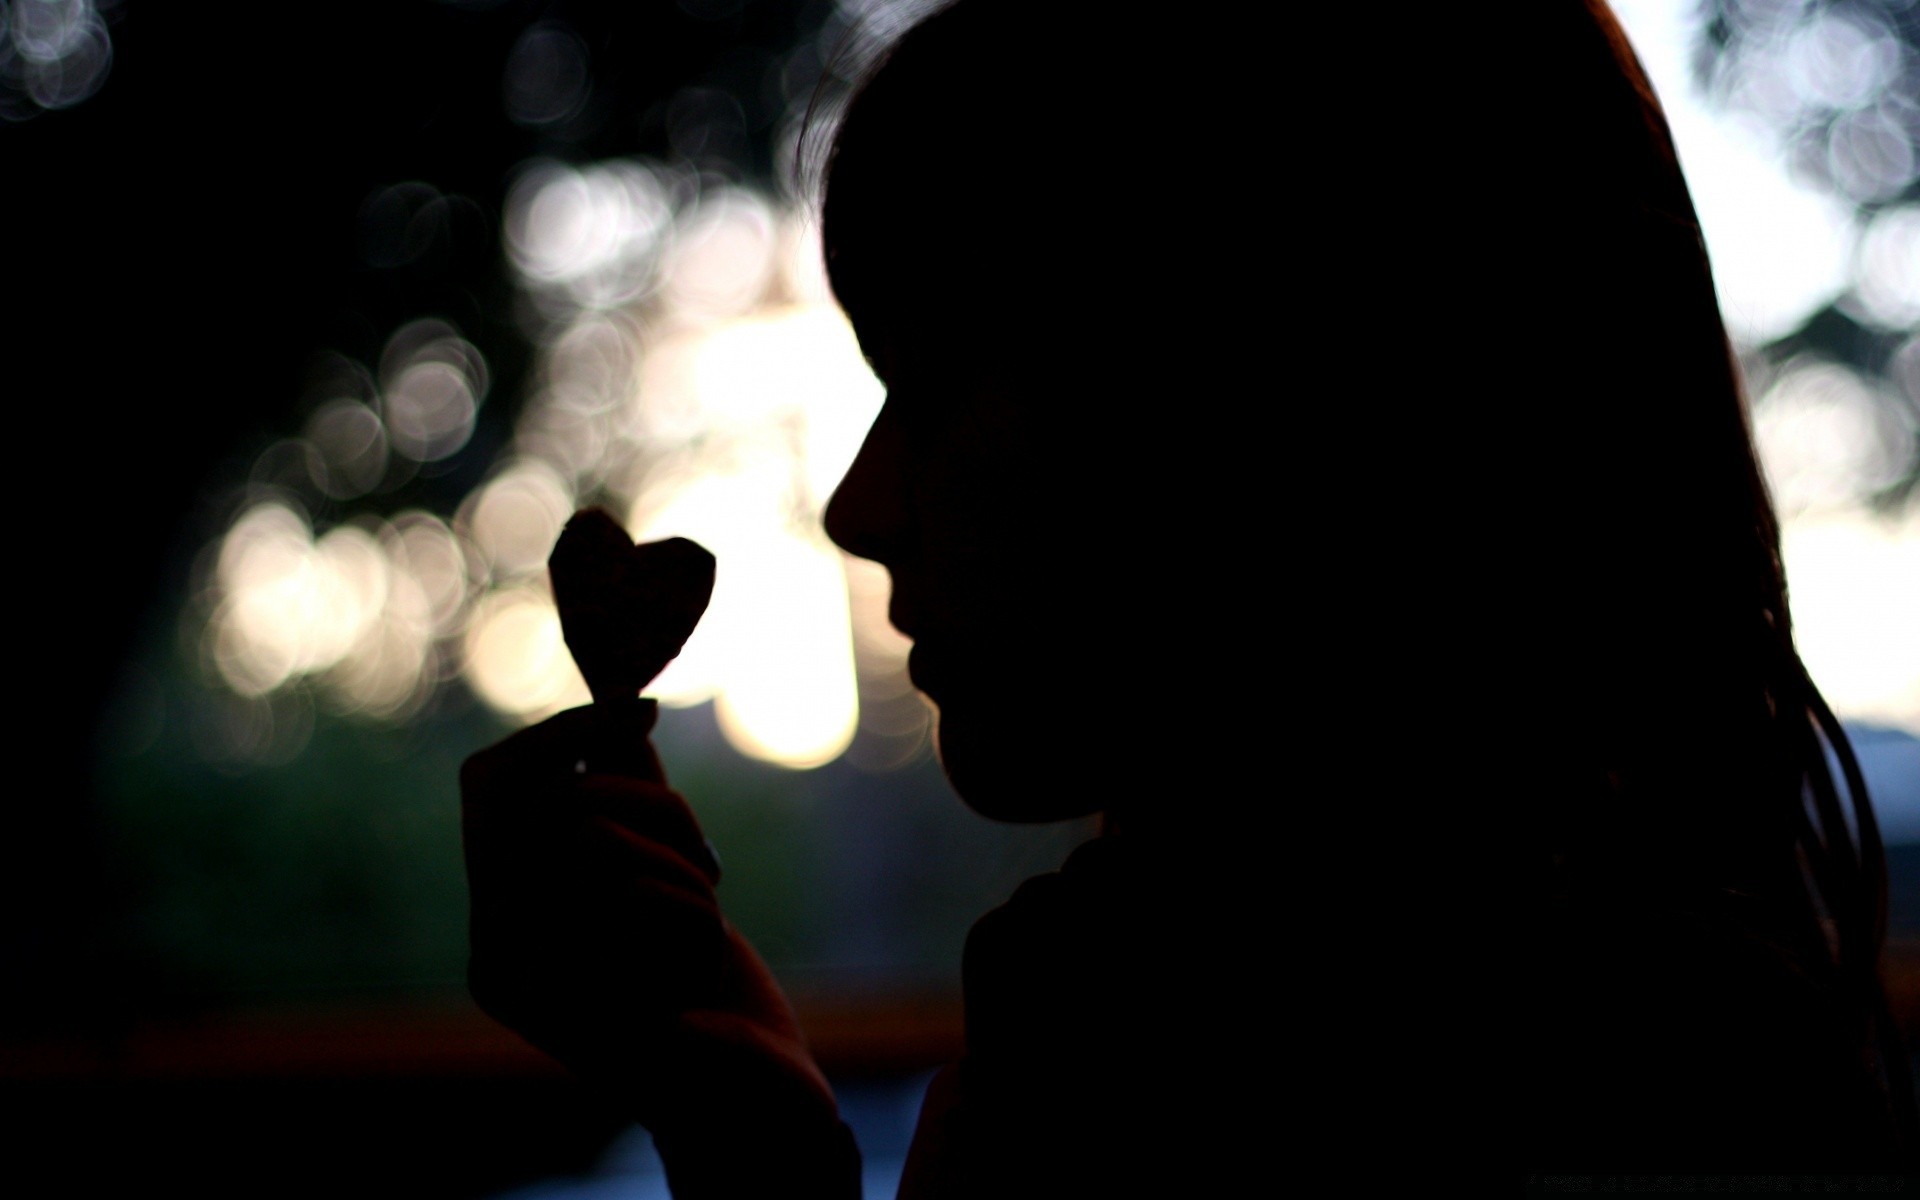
(612, 897)
(552, 856)
(581, 870)
(652, 811)
(609, 737)
(615, 851)
(604, 922)
(629, 940)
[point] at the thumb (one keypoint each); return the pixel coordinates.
(604, 739)
(616, 740)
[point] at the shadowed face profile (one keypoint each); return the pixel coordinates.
(1019, 484)
(952, 493)
(1044, 555)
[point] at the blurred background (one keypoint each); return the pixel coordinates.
(322, 320)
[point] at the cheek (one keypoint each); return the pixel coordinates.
(983, 518)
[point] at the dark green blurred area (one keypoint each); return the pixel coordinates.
(336, 872)
(336, 875)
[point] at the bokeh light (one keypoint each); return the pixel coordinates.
(1840, 58)
(277, 600)
(352, 444)
(432, 382)
(789, 695)
(1798, 125)
(515, 517)
(435, 559)
(1856, 588)
(517, 660)
(692, 374)
(356, 611)
(1889, 268)
(1826, 441)
(592, 236)
(722, 261)
(1837, 81)
(53, 54)
(547, 76)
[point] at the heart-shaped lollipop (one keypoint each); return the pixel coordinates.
(625, 610)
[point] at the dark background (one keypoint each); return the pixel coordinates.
(180, 245)
(183, 242)
(177, 245)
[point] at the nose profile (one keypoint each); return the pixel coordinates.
(867, 515)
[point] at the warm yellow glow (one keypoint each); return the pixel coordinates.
(1855, 583)
(342, 610)
(352, 442)
(793, 700)
(775, 650)
(421, 545)
(801, 267)
(291, 607)
(592, 366)
(797, 370)
(355, 580)
(728, 513)
(384, 673)
(666, 402)
(518, 514)
(431, 383)
(517, 660)
(250, 667)
(430, 410)
(702, 379)
(746, 421)
(264, 577)
(724, 257)
(594, 233)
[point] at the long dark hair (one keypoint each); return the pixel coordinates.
(1769, 816)
(1689, 763)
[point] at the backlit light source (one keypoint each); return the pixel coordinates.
(516, 658)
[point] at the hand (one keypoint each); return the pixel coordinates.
(596, 935)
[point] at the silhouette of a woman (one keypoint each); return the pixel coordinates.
(1605, 894)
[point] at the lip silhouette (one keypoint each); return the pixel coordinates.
(901, 618)
(925, 670)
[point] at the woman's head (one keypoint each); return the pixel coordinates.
(1408, 491)
(1453, 433)
(1011, 484)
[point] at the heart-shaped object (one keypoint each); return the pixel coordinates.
(625, 610)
